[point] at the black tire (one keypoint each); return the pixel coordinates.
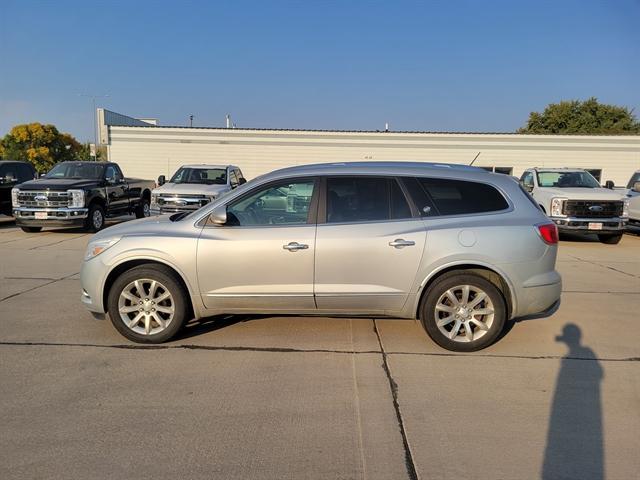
(91, 224)
(429, 315)
(610, 239)
(143, 208)
(31, 229)
(169, 281)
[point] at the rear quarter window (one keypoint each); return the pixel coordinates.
(460, 197)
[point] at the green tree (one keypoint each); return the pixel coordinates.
(582, 117)
(41, 145)
(84, 154)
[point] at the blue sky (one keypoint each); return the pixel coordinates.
(439, 66)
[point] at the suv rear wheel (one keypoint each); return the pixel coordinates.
(147, 304)
(463, 312)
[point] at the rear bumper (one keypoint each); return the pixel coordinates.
(539, 301)
(54, 216)
(581, 225)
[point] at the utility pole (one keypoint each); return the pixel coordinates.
(95, 121)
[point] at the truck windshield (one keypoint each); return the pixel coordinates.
(76, 170)
(567, 180)
(634, 178)
(206, 176)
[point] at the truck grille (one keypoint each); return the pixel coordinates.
(181, 203)
(592, 208)
(44, 199)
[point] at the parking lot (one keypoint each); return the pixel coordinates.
(285, 397)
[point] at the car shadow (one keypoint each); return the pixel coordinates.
(574, 447)
(199, 327)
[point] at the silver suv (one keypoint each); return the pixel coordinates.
(456, 247)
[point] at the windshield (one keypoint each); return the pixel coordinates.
(635, 178)
(207, 176)
(76, 170)
(567, 180)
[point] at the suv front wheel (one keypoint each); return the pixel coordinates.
(147, 304)
(463, 312)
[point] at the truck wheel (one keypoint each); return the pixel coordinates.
(143, 209)
(31, 229)
(463, 312)
(147, 304)
(95, 218)
(610, 239)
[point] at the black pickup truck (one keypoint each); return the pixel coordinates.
(12, 174)
(79, 194)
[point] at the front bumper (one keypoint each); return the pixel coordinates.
(165, 210)
(633, 225)
(92, 278)
(582, 225)
(49, 216)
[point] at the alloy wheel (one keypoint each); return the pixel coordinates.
(464, 313)
(146, 306)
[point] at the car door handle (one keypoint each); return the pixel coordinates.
(400, 243)
(293, 246)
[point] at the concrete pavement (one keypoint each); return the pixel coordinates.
(284, 397)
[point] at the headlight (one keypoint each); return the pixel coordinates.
(77, 198)
(14, 197)
(154, 200)
(556, 207)
(625, 208)
(96, 248)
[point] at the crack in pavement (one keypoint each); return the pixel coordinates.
(592, 262)
(412, 472)
(37, 286)
(308, 350)
(58, 242)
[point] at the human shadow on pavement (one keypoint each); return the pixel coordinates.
(574, 448)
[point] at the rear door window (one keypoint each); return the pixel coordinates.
(365, 199)
(460, 197)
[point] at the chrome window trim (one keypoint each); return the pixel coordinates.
(203, 221)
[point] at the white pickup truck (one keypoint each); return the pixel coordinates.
(193, 186)
(576, 202)
(633, 194)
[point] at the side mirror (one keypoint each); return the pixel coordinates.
(636, 187)
(162, 180)
(242, 181)
(609, 184)
(218, 215)
(528, 188)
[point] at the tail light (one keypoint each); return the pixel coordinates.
(549, 233)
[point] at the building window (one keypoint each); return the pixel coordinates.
(504, 170)
(596, 172)
(488, 169)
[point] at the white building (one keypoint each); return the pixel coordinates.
(145, 149)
